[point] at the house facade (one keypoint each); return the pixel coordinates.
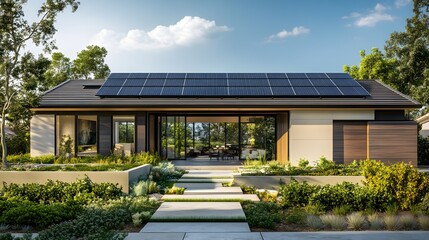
(282, 116)
(424, 121)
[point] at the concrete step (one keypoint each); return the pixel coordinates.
(211, 197)
(198, 186)
(220, 190)
(194, 211)
(204, 180)
(208, 174)
(157, 236)
(164, 227)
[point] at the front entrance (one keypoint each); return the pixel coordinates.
(217, 137)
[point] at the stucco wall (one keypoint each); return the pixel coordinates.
(425, 130)
(311, 132)
(42, 135)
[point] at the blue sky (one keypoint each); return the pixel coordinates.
(229, 35)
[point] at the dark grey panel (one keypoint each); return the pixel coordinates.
(317, 82)
(151, 91)
(390, 115)
(141, 133)
(205, 91)
(105, 135)
(283, 91)
(296, 75)
(157, 75)
(329, 91)
(138, 75)
(344, 82)
(338, 75)
(300, 82)
(174, 82)
(317, 75)
(118, 75)
(247, 75)
(114, 82)
(129, 91)
(172, 91)
(353, 91)
(108, 91)
(206, 83)
(250, 91)
(305, 91)
(134, 82)
(249, 82)
(206, 75)
(279, 82)
(276, 75)
(176, 75)
(154, 82)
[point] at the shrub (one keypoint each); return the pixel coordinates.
(175, 190)
(334, 222)
(422, 150)
(423, 222)
(325, 164)
(248, 189)
(8, 236)
(295, 215)
(342, 210)
(407, 222)
(392, 222)
(262, 214)
(424, 205)
(400, 182)
(356, 221)
(314, 222)
(303, 163)
(330, 196)
(375, 222)
(295, 194)
(143, 188)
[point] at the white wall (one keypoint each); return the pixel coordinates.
(42, 135)
(311, 132)
(425, 130)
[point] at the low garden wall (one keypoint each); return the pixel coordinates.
(122, 178)
(272, 182)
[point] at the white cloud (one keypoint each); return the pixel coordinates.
(296, 31)
(401, 3)
(189, 30)
(378, 14)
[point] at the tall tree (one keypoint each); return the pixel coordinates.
(411, 49)
(59, 70)
(15, 33)
(90, 63)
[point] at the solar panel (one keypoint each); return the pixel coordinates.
(172, 91)
(246, 75)
(138, 75)
(114, 82)
(205, 91)
(206, 75)
(279, 82)
(305, 91)
(296, 75)
(316, 75)
(129, 91)
(154, 82)
(276, 75)
(322, 82)
(344, 82)
(174, 82)
(206, 82)
(249, 91)
(249, 82)
(176, 75)
(283, 91)
(134, 82)
(118, 75)
(339, 75)
(328, 91)
(157, 75)
(108, 91)
(151, 91)
(295, 82)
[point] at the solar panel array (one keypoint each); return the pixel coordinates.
(231, 85)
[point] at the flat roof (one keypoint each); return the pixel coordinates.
(82, 94)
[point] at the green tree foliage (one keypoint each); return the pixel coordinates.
(15, 33)
(59, 70)
(90, 63)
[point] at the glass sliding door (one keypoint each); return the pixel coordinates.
(257, 137)
(173, 137)
(86, 135)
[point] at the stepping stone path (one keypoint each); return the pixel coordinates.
(206, 205)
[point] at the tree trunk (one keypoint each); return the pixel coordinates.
(3, 137)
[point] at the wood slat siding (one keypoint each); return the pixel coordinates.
(350, 141)
(282, 145)
(141, 133)
(393, 141)
(105, 135)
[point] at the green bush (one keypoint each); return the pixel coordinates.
(295, 194)
(330, 196)
(262, 214)
(143, 188)
(83, 191)
(423, 150)
(39, 215)
(399, 183)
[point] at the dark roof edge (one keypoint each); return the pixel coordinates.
(59, 85)
(399, 93)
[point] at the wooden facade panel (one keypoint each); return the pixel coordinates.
(282, 142)
(349, 141)
(393, 141)
(105, 135)
(141, 133)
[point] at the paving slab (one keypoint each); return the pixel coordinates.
(208, 174)
(204, 180)
(198, 186)
(224, 236)
(229, 227)
(218, 190)
(155, 236)
(171, 211)
(212, 197)
(346, 235)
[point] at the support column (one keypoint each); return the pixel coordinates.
(141, 133)
(282, 146)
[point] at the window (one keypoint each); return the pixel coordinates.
(124, 134)
(86, 135)
(65, 135)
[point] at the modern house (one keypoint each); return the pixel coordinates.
(283, 116)
(424, 121)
